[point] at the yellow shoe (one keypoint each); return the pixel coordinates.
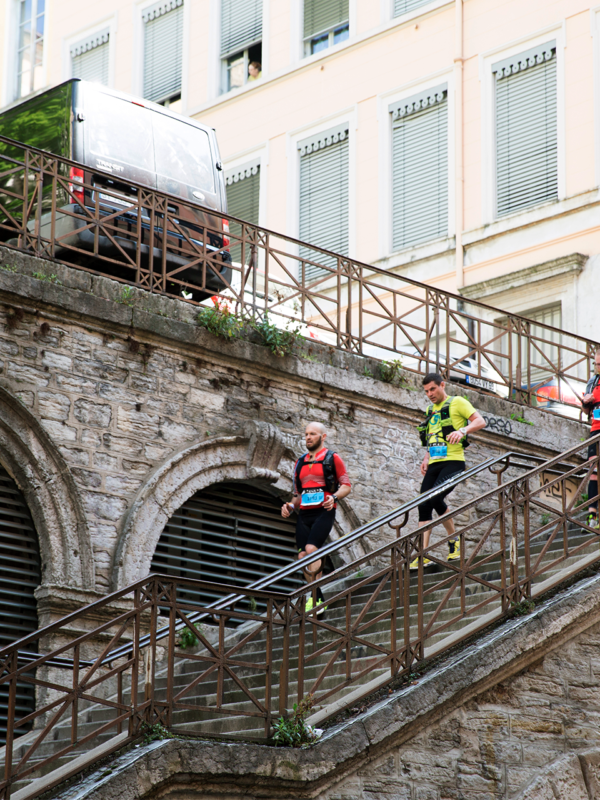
(415, 564)
(453, 549)
(320, 606)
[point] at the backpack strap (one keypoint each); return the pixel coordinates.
(298, 467)
(329, 473)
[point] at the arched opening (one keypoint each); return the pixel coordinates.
(20, 575)
(227, 533)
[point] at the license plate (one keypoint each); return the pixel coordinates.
(117, 201)
(480, 382)
(312, 498)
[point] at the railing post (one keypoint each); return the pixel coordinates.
(284, 672)
(394, 581)
(135, 667)
(526, 592)
(172, 589)
(12, 666)
(75, 706)
(269, 664)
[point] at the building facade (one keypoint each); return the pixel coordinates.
(457, 143)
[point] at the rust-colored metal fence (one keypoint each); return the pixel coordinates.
(101, 686)
(53, 208)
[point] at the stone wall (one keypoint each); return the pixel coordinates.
(117, 407)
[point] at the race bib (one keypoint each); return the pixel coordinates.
(312, 497)
(438, 451)
(596, 413)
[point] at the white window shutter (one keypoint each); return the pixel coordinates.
(322, 15)
(89, 58)
(420, 168)
(163, 46)
(241, 24)
(404, 6)
(526, 129)
(324, 196)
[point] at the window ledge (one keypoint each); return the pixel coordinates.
(417, 252)
(531, 216)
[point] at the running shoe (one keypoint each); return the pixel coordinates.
(415, 564)
(592, 521)
(320, 606)
(453, 549)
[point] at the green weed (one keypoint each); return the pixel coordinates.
(293, 731)
(390, 370)
(219, 320)
(518, 418)
(8, 268)
(279, 341)
(126, 296)
(522, 608)
(42, 276)
(151, 733)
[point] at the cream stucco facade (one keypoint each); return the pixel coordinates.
(541, 258)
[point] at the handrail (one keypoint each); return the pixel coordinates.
(367, 310)
(284, 572)
(382, 623)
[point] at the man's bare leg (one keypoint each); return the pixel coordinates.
(448, 525)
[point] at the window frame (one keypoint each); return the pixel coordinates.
(330, 33)
(384, 100)
(138, 54)
(222, 81)
(349, 117)
(109, 23)
(14, 25)
(488, 125)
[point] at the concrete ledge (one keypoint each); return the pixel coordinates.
(344, 749)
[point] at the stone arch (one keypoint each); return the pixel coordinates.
(41, 473)
(259, 455)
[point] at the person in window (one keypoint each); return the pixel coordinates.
(254, 71)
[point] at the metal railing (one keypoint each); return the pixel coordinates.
(528, 535)
(168, 245)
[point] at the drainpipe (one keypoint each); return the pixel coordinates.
(459, 148)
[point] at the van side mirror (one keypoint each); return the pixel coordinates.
(219, 166)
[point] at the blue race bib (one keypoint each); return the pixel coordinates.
(312, 497)
(596, 414)
(438, 451)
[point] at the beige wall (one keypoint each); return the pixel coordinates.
(382, 59)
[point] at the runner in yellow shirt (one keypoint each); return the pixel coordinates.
(448, 422)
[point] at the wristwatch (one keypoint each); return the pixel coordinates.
(335, 500)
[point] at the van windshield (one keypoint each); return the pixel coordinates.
(117, 130)
(183, 156)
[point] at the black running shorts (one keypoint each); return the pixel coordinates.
(313, 527)
(436, 474)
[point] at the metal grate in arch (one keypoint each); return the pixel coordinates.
(227, 533)
(20, 575)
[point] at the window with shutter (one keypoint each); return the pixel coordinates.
(326, 22)
(89, 58)
(404, 6)
(526, 129)
(324, 196)
(20, 575)
(420, 168)
(243, 192)
(163, 47)
(30, 47)
(241, 42)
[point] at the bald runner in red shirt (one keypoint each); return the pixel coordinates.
(314, 501)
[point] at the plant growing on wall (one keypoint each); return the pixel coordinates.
(219, 320)
(294, 731)
(280, 341)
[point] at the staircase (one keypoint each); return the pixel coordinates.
(461, 615)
